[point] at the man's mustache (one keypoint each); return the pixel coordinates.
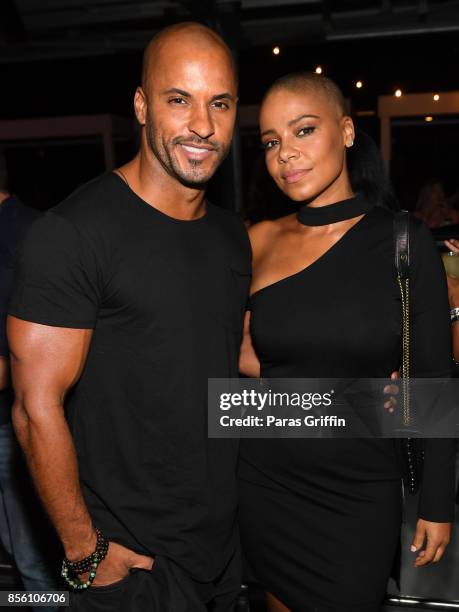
(195, 140)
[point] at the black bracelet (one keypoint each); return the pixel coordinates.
(70, 570)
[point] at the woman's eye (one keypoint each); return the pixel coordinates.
(306, 131)
(269, 144)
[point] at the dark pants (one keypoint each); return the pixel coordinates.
(167, 588)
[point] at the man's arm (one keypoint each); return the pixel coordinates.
(46, 362)
(4, 373)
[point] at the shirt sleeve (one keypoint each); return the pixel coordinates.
(57, 278)
(431, 356)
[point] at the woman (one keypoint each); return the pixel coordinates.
(453, 294)
(320, 519)
(433, 207)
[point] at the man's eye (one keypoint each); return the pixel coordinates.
(269, 144)
(221, 105)
(177, 101)
(306, 131)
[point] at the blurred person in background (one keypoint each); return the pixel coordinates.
(433, 207)
(24, 529)
(453, 294)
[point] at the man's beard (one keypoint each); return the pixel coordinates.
(194, 177)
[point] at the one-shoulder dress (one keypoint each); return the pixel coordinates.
(320, 518)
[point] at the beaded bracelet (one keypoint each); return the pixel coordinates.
(70, 570)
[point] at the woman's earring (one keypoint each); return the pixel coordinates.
(350, 144)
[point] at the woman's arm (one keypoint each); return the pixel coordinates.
(431, 358)
(249, 364)
(260, 236)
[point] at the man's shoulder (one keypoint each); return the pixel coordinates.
(233, 232)
(223, 213)
(227, 219)
(91, 201)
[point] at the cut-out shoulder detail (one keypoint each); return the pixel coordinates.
(321, 257)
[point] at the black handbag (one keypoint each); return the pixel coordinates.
(410, 451)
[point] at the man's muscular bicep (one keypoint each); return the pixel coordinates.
(46, 361)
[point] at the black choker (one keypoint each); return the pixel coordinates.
(332, 213)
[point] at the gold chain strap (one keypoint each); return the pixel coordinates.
(404, 292)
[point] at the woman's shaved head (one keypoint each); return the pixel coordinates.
(302, 82)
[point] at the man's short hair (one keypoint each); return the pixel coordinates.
(174, 30)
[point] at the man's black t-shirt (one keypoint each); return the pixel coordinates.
(166, 299)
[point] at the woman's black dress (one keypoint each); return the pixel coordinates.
(320, 519)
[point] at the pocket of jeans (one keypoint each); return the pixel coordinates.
(113, 586)
(135, 570)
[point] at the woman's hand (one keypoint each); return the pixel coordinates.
(453, 283)
(438, 536)
(117, 563)
(391, 390)
(452, 245)
(453, 291)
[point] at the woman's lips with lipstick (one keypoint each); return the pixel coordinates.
(195, 152)
(294, 175)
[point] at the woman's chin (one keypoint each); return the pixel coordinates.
(298, 194)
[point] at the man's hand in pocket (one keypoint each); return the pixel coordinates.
(117, 563)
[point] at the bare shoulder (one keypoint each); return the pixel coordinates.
(262, 232)
(262, 235)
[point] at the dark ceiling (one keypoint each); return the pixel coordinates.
(83, 56)
(32, 30)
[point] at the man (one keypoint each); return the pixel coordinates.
(22, 524)
(132, 291)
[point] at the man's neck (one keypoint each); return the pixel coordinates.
(152, 183)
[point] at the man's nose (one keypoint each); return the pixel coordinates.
(201, 122)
